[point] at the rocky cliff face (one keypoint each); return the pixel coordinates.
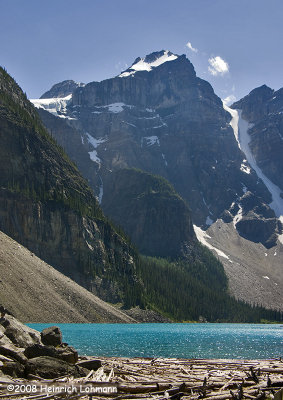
(47, 206)
(158, 116)
(167, 121)
(263, 108)
(154, 216)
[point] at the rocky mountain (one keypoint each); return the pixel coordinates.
(47, 206)
(158, 116)
(62, 89)
(263, 109)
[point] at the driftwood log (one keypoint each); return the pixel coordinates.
(170, 379)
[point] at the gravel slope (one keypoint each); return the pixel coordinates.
(255, 273)
(35, 292)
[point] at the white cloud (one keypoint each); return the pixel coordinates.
(189, 45)
(229, 100)
(218, 66)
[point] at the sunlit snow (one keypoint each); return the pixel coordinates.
(240, 128)
(238, 216)
(56, 106)
(202, 236)
(150, 140)
(234, 121)
(141, 65)
(245, 168)
(95, 143)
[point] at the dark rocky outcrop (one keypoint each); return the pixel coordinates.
(63, 352)
(50, 368)
(256, 221)
(90, 364)
(155, 217)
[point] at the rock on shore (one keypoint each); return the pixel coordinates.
(26, 353)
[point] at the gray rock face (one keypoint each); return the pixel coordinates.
(61, 89)
(254, 220)
(18, 333)
(263, 108)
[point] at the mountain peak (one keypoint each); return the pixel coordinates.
(62, 89)
(152, 60)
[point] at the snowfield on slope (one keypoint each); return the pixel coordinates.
(241, 128)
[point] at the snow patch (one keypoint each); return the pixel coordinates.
(100, 195)
(159, 126)
(266, 277)
(56, 106)
(95, 143)
(165, 162)
(238, 216)
(234, 121)
(275, 191)
(116, 107)
(128, 123)
(245, 168)
(142, 65)
(150, 140)
(209, 221)
(113, 108)
(202, 236)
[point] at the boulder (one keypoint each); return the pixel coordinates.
(50, 368)
(4, 358)
(51, 336)
(4, 339)
(20, 334)
(13, 369)
(90, 364)
(11, 351)
(66, 353)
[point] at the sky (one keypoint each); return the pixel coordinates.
(236, 45)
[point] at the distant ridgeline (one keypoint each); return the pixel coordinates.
(47, 206)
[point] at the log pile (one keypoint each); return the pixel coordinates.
(173, 379)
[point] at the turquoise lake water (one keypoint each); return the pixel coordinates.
(248, 341)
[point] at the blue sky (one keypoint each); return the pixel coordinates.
(238, 42)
